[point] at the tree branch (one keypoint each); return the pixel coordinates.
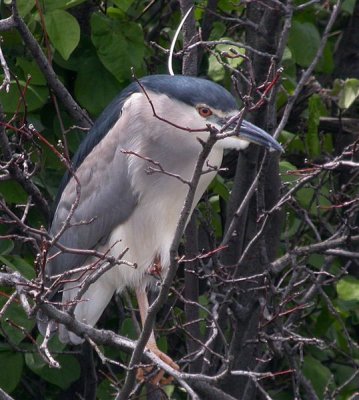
(80, 116)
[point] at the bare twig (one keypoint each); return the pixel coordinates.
(7, 79)
(56, 85)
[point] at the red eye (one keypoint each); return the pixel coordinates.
(204, 112)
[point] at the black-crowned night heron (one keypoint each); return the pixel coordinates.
(120, 205)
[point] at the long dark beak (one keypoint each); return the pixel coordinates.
(254, 134)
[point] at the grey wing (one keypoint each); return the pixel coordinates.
(106, 200)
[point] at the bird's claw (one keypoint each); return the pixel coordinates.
(157, 378)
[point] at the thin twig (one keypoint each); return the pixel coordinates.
(7, 79)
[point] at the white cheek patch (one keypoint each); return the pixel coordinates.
(233, 142)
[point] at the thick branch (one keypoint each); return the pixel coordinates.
(7, 24)
(324, 247)
(17, 174)
(79, 115)
(189, 66)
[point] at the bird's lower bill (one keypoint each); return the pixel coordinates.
(254, 134)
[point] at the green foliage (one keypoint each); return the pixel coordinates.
(123, 5)
(119, 45)
(19, 264)
(304, 40)
(31, 69)
(70, 369)
(312, 139)
(223, 55)
(15, 323)
(52, 5)
(12, 192)
(69, 365)
(69, 372)
(128, 329)
(312, 367)
(12, 368)
(346, 91)
(348, 289)
(105, 89)
(64, 40)
(24, 6)
(36, 97)
(348, 6)
(92, 51)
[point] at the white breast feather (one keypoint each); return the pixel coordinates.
(150, 230)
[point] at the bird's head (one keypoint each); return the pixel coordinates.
(195, 103)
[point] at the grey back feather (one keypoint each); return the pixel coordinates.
(107, 198)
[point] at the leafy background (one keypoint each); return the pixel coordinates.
(92, 47)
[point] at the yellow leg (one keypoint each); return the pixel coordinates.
(143, 305)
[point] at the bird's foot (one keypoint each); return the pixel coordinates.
(157, 377)
(156, 268)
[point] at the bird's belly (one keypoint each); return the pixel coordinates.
(148, 234)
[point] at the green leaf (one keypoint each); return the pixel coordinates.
(123, 5)
(35, 97)
(229, 6)
(219, 187)
(18, 318)
(348, 6)
(12, 365)
(51, 5)
(104, 390)
(312, 200)
(348, 93)
(162, 344)
(291, 227)
(169, 390)
(323, 322)
(304, 41)
(12, 192)
(6, 246)
(345, 373)
(287, 55)
(32, 69)
(73, 3)
(316, 260)
(215, 69)
(285, 167)
(317, 373)
(116, 13)
(17, 263)
(24, 6)
(305, 197)
(326, 63)
(35, 362)
(69, 372)
(105, 88)
(311, 138)
(128, 329)
(289, 75)
(348, 289)
(218, 30)
(292, 142)
(119, 45)
(63, 30)
(280, 395)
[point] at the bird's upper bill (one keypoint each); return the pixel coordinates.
(254, 134)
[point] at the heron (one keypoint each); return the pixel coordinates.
(111, 204)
